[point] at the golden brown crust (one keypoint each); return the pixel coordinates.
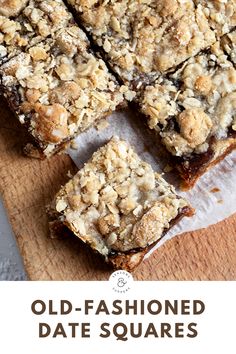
(203, 84)
(195, 126)
(10, 8)
(50, 123)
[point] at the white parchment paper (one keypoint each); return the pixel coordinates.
(213, 197)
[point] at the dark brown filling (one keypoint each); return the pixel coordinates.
(192, 166)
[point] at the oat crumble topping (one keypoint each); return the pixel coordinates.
(10, 8)
(59, 88)
(159, 50)
(144, 38)
(193, 104)
(116, 202)
(25, 23)
(221, 14)
(229, 45)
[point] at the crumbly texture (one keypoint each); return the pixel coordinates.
(142, 38)
(10, 8)
(58, 89)
(118, 205)
(194, 104)
(194, 107)
(221, 14)
(229, 45)
(25, 23)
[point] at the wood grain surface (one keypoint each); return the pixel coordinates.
(28, 185)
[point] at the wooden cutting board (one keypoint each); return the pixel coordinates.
(28, 185)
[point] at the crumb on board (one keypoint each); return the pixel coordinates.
(215, 190)
(220, 201)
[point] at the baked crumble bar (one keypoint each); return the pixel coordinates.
(58, 89)
(118, 205)
(142, 38)
(25, 23)
(193, 109)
